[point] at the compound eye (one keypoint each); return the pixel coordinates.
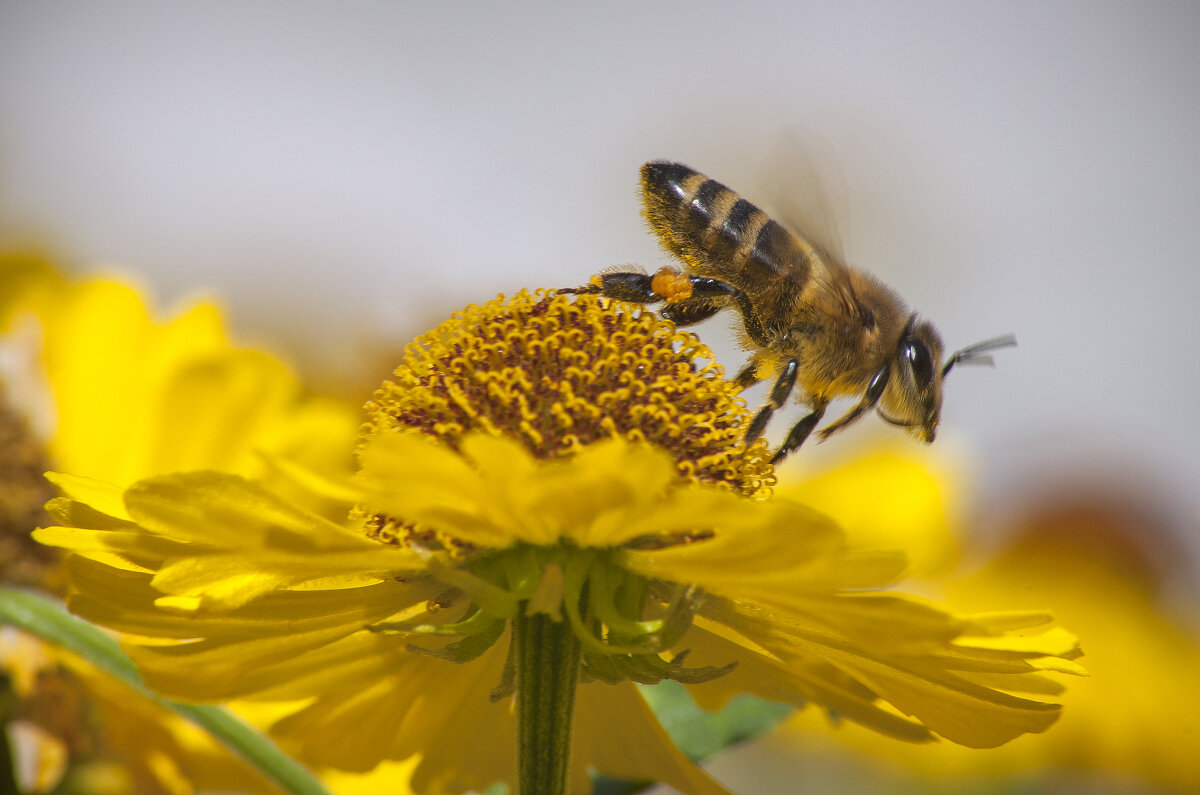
(921, 361)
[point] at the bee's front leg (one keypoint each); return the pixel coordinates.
(870, 397)
(748, 375)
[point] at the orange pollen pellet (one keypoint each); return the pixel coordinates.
(672, 284)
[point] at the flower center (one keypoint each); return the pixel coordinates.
(559, 373)
(23, 496)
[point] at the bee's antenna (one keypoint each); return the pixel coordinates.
(976, 354)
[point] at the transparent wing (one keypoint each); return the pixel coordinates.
(804, 189)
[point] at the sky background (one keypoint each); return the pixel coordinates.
(345, 175)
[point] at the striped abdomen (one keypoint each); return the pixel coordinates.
(717, 233)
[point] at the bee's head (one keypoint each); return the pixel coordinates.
(913, 397)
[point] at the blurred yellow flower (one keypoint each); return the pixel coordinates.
(1091, 560)
(546, 483)
(91, 383)
(894, 496)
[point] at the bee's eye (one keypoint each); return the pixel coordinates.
(922, 363)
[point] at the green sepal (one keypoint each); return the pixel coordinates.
(467, 649)
(646, 669)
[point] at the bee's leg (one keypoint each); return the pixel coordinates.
(693, 298)
(642, 288)
(748, 375)
(801, 430)
(779, 395)
(631, 286)
(720, 293)
(690, 311)
(869, 399)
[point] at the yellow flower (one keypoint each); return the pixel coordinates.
(893, 496)
(1099, 566)
(92, 384)
(541, 474)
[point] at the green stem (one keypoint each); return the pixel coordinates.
(547, 657)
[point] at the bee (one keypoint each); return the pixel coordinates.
(819, 326)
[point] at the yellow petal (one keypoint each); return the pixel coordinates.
(407, 475)
(793, 683)
(615, 729)
(99, 495)
(106, 361)
(899, 667)
(778, 550)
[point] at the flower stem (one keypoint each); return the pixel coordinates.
(547, 662)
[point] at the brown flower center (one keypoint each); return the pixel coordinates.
(559, 373)
(23, 495)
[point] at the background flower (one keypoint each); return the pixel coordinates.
(103, 388)
(1102, 561)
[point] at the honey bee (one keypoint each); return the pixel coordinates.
(818, 325)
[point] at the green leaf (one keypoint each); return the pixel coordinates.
(697, 733)
(49, 620)
(701, 734)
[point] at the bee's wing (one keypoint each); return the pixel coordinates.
(805, 192)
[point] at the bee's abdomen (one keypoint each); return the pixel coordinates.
(715, 231)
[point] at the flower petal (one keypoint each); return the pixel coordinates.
(902, 668)
(616, 729)
(793, 683)
(768, 551)
(106, 498)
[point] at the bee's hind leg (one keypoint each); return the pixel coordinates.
(691, 298)
(719, 294)
(690, 311)
(631, 286)
(642, 288)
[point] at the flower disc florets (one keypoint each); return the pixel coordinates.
(23, 493)
(559, 373)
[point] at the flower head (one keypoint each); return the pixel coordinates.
(563, 471)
